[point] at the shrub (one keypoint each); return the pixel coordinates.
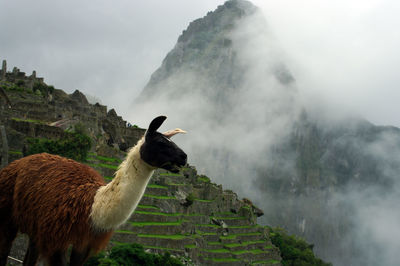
(294, 250)
(132, 254)
(73, 145)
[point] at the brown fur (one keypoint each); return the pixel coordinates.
(49, 198)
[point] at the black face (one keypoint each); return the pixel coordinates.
(159, 151)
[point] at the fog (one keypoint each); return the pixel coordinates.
(234, 132)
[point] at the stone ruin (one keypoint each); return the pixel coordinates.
(18, 77)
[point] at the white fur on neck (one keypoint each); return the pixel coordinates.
(115, 202)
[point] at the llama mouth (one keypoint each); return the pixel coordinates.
(174, 168)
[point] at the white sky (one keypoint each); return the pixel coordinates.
(345, 51)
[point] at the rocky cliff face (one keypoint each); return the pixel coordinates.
(228, 83)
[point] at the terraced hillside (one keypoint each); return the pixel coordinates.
(187, 215)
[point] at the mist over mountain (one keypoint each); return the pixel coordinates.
(323, 174)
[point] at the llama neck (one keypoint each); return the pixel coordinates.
(115, 202)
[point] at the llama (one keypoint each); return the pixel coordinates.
(58, 202)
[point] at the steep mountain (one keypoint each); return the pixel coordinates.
(185, 214)
(316, 174)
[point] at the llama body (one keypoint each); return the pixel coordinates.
(58, 202)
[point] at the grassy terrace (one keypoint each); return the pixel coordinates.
(220, 250)
(252, 251)
(265, 262)
(222, 259)
(233, 236)
(141, 224)
(159, 213)
(158, 197)
(214, 243)
(148, 207)
(15, 152)
(176, 184)
(103, 165)
(244, 244)
(156, 186)
(209, 225)
(203, 200)
(171, 237)
(228, 218)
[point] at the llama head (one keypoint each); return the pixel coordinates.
(159, 151)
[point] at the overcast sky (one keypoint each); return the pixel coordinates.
(346, 51)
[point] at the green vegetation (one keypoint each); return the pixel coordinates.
(158, 197)
(15, 152)
(158, 213)
(204, 179)
(204, 200)
(189, 200)
(29, 120)
(106, 159)
(220, 250)
(263, 262)
(131, 254)
(72, 145)
(172, 237)
(148, 207)
(223, 259)
(42, 89)
(157, 186)
(177, 223)
(294, 250)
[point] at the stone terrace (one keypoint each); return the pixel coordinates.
(187, 215)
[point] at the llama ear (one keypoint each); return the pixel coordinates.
(156, 123)
(171, 133)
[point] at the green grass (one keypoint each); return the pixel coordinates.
(172, 237)
(203, 200)
(253, 251)
(265, 262)
(220, 250)
(29, 120)
(214, 243)
(109, 178)
(203, 179)
(224, 213)
(228, 218)
(158, 197)
(223, 259)
(156, 186)
(125, 232)
(191, 246)
(233, 236)
(158, 213)
(109, 166)
(243, 226)
(148, 207)
(209, 225)
(228, 237)
(176, 184)
(108, 159)
(15, 152)
(103, 165)
(141, 224)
